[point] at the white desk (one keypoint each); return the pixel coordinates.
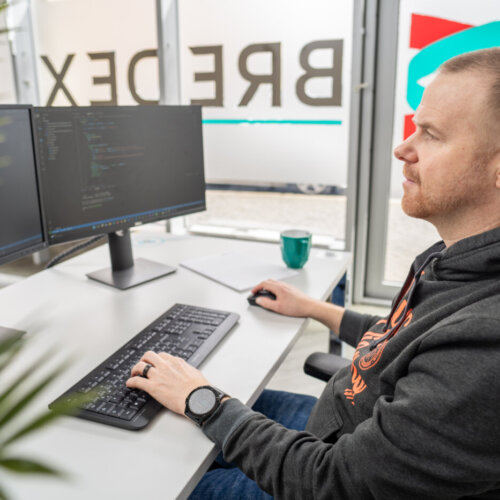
(62, 309)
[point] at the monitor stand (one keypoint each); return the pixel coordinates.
(125, 272)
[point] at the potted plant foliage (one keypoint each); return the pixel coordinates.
(15, 399)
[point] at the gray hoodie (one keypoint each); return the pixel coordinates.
(416, 416)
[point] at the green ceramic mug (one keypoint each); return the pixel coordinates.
(295, 247)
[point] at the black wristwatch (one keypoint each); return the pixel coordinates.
(203, 402)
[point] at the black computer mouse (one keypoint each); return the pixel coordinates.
(260, 293)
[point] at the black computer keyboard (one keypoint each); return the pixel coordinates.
(186, 331)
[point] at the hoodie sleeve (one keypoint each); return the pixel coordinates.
(354, 325)
(437, 436)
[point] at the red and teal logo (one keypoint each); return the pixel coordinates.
(439, 40)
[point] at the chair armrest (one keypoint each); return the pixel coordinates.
(324, 365)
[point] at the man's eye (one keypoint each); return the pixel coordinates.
(429, 135)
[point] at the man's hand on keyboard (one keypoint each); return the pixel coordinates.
(169, 380)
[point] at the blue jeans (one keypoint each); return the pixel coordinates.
(226, 481)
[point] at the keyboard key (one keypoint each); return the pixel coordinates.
(128, 414)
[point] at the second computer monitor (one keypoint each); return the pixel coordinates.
(20, 218)
(105, 169)
(21, 230)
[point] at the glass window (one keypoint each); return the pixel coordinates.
(274, 82)
(95, 52)
(429, 33)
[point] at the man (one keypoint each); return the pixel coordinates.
(417, 415)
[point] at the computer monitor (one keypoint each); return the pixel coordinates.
(21, 230)
(105, 169)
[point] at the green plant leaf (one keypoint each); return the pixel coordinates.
(24, 401)
(3, 31)
(14, 399)
(22, 376)
(3, 495)
(58, 409)
(26, 466)
(9, 348)
(10, 341)
(7, 357)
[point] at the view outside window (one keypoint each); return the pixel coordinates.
(274, 82)
(429, 33)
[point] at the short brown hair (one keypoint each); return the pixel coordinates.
(486, 61)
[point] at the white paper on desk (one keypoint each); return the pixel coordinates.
(236, 270)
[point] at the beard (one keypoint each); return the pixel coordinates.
(434, 201)
(423, 205)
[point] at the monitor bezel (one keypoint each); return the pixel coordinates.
(68, 237)
(18, 254)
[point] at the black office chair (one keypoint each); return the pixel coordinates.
(324, 365)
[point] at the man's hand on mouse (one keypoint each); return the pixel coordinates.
(289, 301)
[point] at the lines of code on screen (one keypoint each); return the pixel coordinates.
(107, 168)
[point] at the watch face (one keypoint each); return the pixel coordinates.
(202, 401)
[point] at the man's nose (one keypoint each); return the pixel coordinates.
(406, 151)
